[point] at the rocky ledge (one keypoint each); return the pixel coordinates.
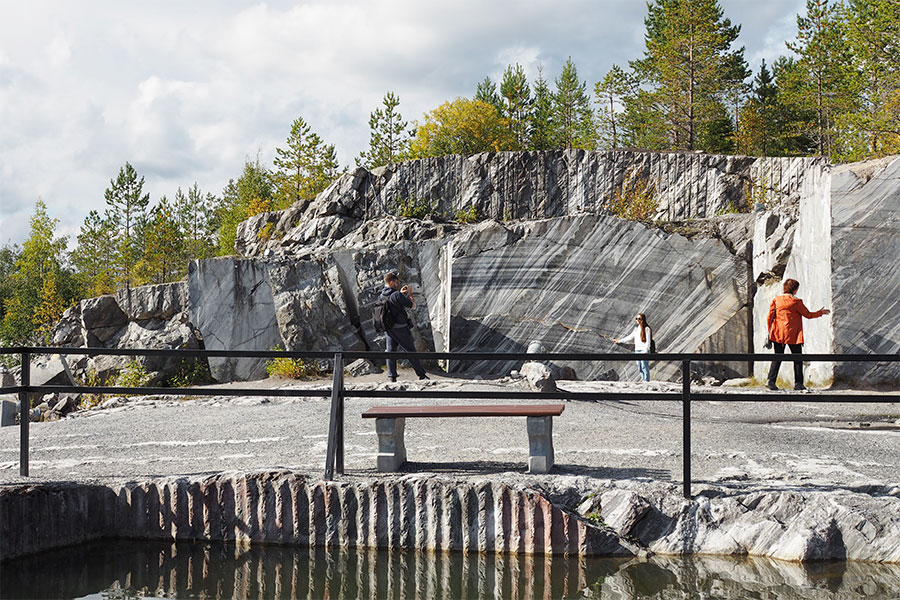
(576, 517)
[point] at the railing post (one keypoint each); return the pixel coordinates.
(24, 414)
(686, 425)
(339, 383)
(337, 394)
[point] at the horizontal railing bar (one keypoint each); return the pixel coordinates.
(784, 396)
(164, 391)
(461, 356)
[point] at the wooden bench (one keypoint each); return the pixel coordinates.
(390, 422)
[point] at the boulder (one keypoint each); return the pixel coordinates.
(102, 319)
(362, 366)
(539, 377)
(9, 408)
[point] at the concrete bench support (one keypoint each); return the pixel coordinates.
(390, 424)
(391, 448)
(540, 444)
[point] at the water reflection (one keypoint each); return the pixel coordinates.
(129, 570)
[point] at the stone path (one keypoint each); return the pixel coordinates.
(800, 444)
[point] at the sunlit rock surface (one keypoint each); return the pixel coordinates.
(866, 277)
(574, 283)
(547, 262)
(428, 513)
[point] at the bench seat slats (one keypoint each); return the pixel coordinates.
(466, 410)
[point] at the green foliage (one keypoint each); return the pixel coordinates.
(823, 82)
(195, 215)
(38, 286)
(468, 215)
(486, 92)
(415, 208)
(93, 380)
(265, 233)
(635, 199)
(595, 518)
(191, 372)
(303, 168)
(541, 120)
(132, 375)
(689, 70)
(572, 112)
(164, 258)
(611, 92)
(293, 368)
(516, 105)
(872, 129)
(126, 211)
(461, 126)
(388, 137)
(94, 257)
(241, 199)
(760, 190)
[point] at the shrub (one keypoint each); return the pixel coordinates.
(636, 199)
(415, 208)
(191, 371)
(293, 368)
(265, 233)
(469, 215)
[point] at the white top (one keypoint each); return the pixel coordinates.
(635, 336)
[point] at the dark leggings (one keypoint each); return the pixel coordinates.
(400, 338)
(776, 363)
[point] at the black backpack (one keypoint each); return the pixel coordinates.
(652, 345)
(383, 316)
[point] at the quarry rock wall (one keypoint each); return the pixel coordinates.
(547, 262)
(426, 513)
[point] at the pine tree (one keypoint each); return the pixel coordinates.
(304, 167)
(872, 129)
(94, 257)
(611, 93)
(194, 215)
(572, 110)
(388, 137)
(164, 257)
(127, 206)
(823, 82)
(486, 91)
(517, 104)
(690, 69)
(541, 119)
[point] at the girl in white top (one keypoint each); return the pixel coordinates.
(641, 337)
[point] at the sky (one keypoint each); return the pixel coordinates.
(188, 91)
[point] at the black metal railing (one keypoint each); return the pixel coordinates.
(334, 459)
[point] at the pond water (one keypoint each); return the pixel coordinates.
(140, 569)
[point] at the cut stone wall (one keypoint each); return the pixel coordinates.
(283, 508)
(426, 513)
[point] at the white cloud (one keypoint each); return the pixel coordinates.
(187, 91)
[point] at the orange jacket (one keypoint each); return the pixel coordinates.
(786, 319)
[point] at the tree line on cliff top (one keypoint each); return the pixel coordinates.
(836, 95)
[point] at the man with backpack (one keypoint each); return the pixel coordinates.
(391, 311)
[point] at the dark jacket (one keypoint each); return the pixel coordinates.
(398, 303)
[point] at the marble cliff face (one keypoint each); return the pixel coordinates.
(547, 261)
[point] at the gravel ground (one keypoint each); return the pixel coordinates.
(798, 444)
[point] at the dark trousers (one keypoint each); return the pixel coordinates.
(400, 338)
(776, 363)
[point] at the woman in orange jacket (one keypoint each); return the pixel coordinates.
(786, 328)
